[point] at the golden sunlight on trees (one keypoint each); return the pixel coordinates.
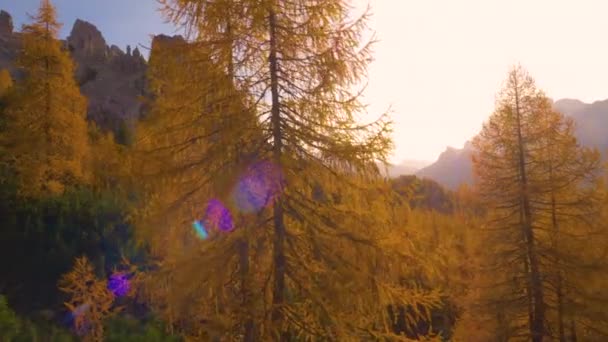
(6, 85)
(6, 82)
(46, 115)
(90, 301)
(540, 187)
(250, 206)
(198, 130)
(270, 82)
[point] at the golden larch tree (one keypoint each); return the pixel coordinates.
(567, 203)
(541, 192)
(195, 140)
(318, 263)
(47, 114)
(506, 183)
(90, 301)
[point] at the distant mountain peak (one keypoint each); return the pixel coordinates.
(451, 152)
(569, 106)
(454, 166)
(570, 101)
(405, 167)
(86, 39)
(600, 102)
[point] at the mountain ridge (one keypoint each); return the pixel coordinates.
(405, 167)
(111, 79)
(454, 166)
(114, 81)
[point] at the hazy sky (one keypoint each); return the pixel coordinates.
(439, 62)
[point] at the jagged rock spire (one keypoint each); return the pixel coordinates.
(86, 40)
(6, 23)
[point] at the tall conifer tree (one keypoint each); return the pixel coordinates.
(317, 263)
(192, 145)
(47, 115)
(540, 188)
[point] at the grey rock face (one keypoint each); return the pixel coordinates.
(6, 24)
(85, 40)
(9, 43)
(111, 80)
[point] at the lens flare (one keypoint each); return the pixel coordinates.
(119, 284)
(218, 216)
(200, 230)
(258, 187)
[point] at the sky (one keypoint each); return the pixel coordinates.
(438, 64)
(121, 22)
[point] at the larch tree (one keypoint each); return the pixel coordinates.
(446, 243)
(47, 114)
(317, 263)
(539, 186)
(503, 167)
(568, 205)
(196, 137)
(90, 301)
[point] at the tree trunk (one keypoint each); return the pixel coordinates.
(528, 287)
(555, 243)
(559, 285)
(503, 329)
(278, 294)
(535, 279)
(573, 331)
(249, 325)
(244, 271)
(560, 310)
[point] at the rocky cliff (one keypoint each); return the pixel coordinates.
(6, 23)
(112, 80)
(9, 42)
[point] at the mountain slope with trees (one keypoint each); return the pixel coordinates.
(250, 204)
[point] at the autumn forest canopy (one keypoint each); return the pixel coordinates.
(249, 202)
